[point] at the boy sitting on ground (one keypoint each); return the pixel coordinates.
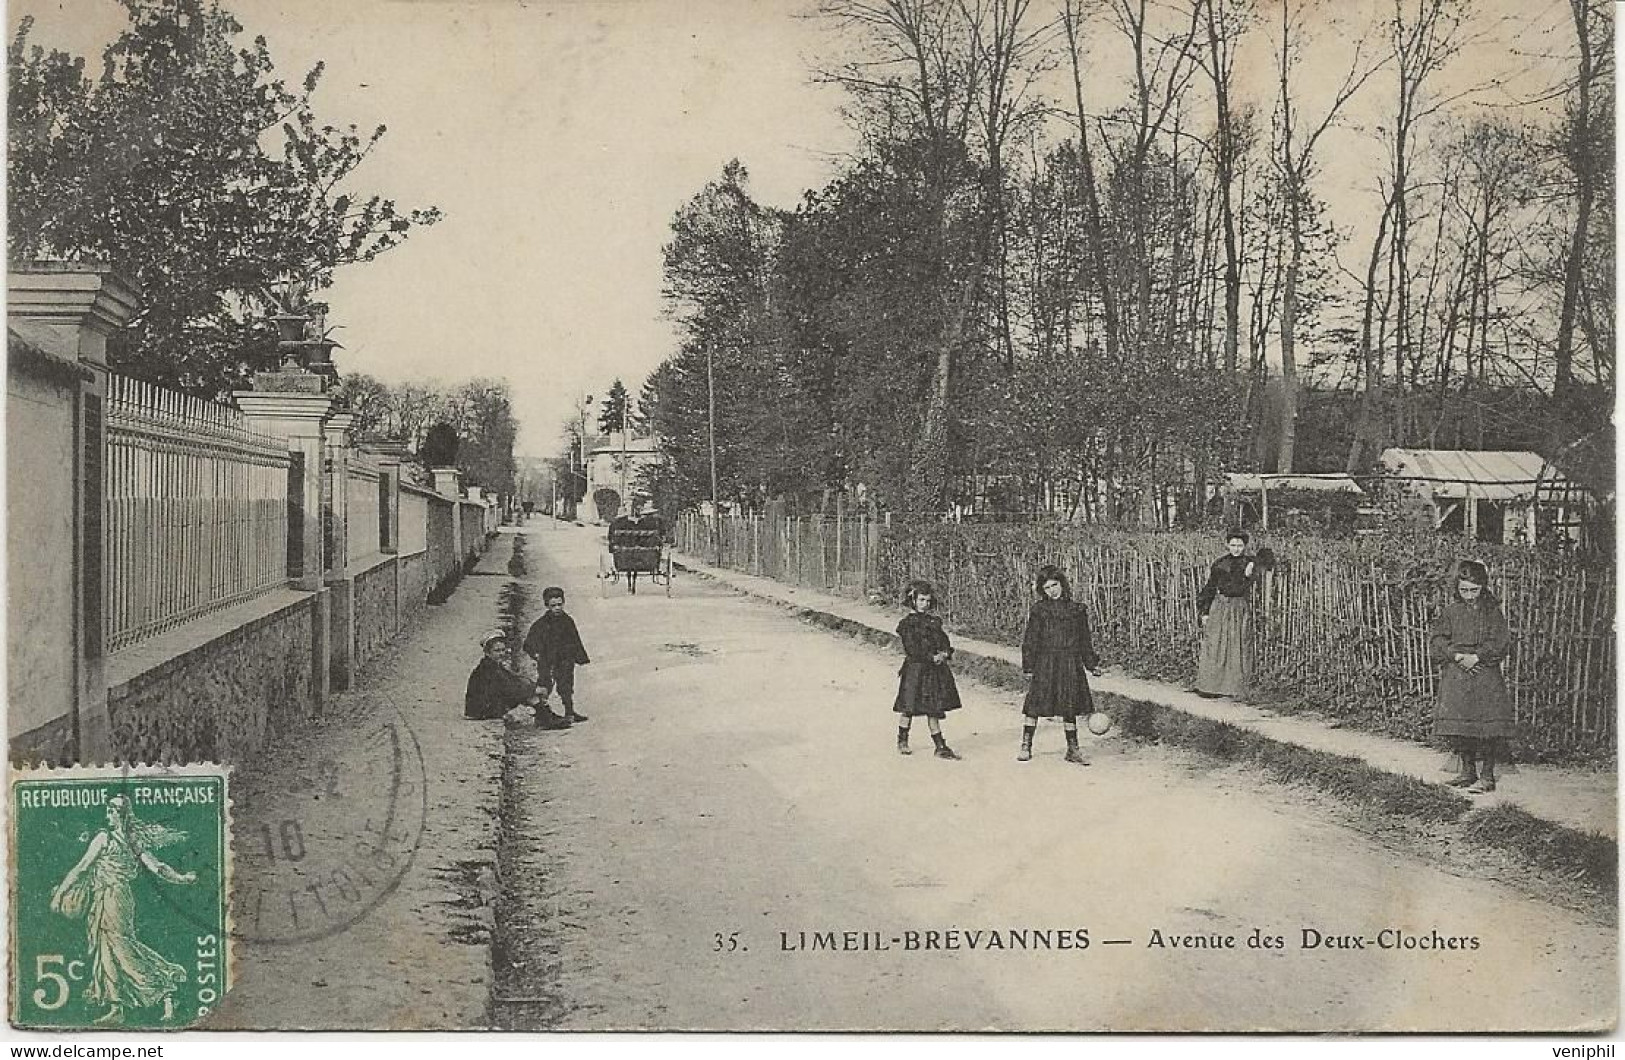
(493, 689)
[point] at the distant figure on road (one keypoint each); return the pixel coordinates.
(1057, 652)
(493, 689)
(555, 644)
(1224, 667)
(1470, 638)
(926, 684)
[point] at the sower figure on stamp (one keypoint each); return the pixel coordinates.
(926, 685)
(493, 689)
(124, 971)
(555, 644)
(1057, 652)
(1470, 638)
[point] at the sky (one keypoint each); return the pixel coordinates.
(559, 137)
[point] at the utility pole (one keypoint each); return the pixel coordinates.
(586, 481)
(625, 498)
(711, 403)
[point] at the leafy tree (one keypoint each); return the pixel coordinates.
(481, 410)
(157, 167)
(440, 446)
(369, 402)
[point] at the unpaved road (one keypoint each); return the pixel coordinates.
(738, 776)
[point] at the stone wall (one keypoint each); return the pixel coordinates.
(40, 634)
(414, 586)
(375, 609)
(222, 700)
(444, 564)
(473, 516)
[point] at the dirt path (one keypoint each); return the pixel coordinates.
(366, 845)
(738, 776)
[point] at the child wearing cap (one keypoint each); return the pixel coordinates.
(493, 689)
(555, 644)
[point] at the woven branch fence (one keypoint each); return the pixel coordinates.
(1341, 627)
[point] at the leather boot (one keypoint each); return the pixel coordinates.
(1026, 753)
(1486, 771)
(1466, 769)
(902, 742)
(1074, 755)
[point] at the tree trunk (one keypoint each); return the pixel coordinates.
(1225, 163)
(1580, 155)
(1093, 226)
(1288, 438)
(1366, 428)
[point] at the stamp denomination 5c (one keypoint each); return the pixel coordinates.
(119, 878)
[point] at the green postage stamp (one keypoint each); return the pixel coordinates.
(119, 884)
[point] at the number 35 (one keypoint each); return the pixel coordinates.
(728, 943)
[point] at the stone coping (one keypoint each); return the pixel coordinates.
(368, 563)
(155, 656)
(413, 487)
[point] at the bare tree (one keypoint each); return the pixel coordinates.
(1224, 22)
(1013, 53)
(1294, 158)
(1072, 21)
(1587, 147)
(1422, 41)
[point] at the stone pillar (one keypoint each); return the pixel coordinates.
(67, 310)
(292, 405)
(388, 457)
(448, 482)
(341, 614)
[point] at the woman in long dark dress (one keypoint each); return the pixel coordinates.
(926, 685)
(1470, 638)
(1057, 651)
(1224, 666)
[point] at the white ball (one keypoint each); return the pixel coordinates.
(1099, 723)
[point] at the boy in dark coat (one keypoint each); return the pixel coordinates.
(555, 644)
(493, 689)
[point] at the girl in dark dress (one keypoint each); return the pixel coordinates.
(1470, 638)
(926, 685)
(1056, 651)
(1224, 666)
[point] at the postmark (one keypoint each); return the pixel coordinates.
(316, 856)
(119, 887)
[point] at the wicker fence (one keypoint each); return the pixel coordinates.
(196, 510)
(1342, 627)
(833, 553)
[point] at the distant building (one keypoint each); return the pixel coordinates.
(604, 461)
(1247, 499)
(1492, 496)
